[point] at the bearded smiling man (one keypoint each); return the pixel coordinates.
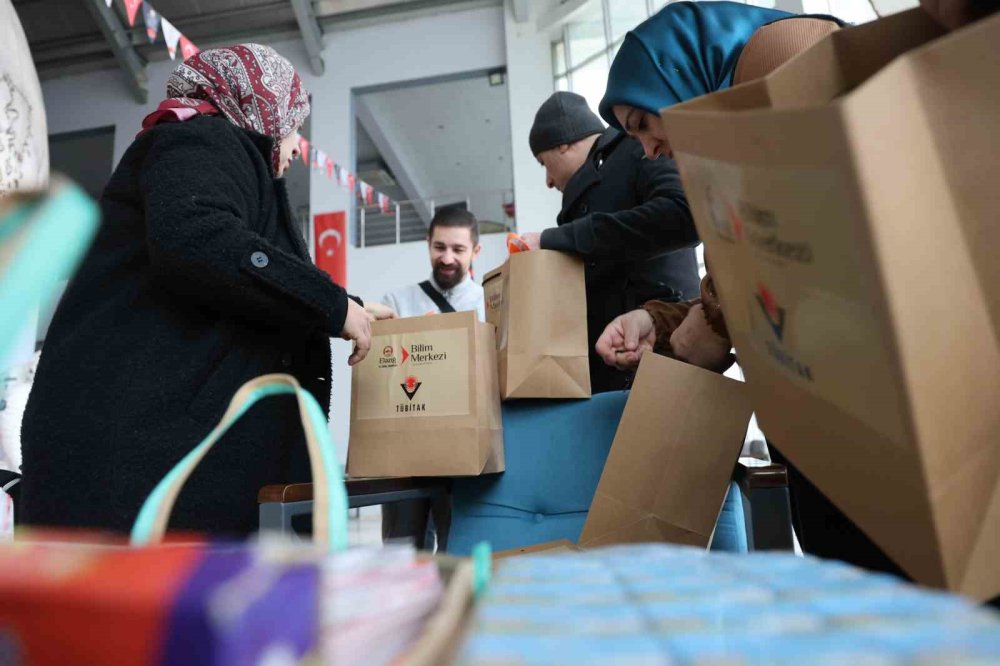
(453, 241)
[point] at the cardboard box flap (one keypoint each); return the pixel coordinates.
(549, 376)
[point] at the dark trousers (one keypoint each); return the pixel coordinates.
(823, 529)
(423, 521)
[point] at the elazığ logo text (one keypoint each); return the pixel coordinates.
(388, 358)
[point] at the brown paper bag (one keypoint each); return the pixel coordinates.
(849, 205)
(672, 459)
(425, 401)
(537, 301)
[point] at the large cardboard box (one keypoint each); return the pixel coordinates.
(672, 459)
(425, 402)
(849, 205)
(538, 302)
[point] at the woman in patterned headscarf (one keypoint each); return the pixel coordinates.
(198, 281)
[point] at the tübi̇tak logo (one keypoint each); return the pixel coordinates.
(410, 387)
(775, 314)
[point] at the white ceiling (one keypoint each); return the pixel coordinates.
(453, 136)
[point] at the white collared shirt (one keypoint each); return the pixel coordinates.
(411, 301)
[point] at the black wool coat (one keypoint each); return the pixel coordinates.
(197, 282)
(628, 218)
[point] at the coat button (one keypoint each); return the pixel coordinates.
(259, 259)
(286, 360)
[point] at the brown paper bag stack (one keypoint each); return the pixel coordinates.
(538, 303)
(849, 203)
(425, 400)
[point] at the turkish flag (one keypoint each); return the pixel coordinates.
(330, 239)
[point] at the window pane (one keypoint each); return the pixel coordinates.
(586, 34)
(591, 81)
(562, 83)
(558, 58)
(625, 15)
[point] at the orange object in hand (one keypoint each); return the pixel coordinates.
(515, 244)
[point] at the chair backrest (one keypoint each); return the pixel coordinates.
(555, 451)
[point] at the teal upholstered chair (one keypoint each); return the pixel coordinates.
(555, 452)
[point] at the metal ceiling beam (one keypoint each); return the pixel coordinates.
(119, 39)
(312, 36)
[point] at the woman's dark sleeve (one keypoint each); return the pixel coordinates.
(199, 199)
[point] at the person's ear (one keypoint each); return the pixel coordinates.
(476, 250)
(563, 149)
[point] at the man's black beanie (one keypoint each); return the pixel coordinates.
(563, 118)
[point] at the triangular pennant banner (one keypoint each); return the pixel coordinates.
(304, 150)
(188, 48)
(171, 36)
(131, 8)
(329, 168)
(152, 19)
(320, 159)
(351, 181)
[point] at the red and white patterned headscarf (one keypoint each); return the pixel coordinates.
(250, 85)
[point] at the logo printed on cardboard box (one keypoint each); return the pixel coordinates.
(775, 314)
(410, 387)
(776, 318)
(725, 221)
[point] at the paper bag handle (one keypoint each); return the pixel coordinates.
(329, 493)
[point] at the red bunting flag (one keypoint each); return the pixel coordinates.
(304, 150)
(369, 194)
(384, 203)
(329, 168)
(351, 181)
(132, 8)
(188, 48)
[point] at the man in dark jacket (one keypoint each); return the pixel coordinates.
(626, 216)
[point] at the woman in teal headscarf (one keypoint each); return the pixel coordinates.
(689, 49)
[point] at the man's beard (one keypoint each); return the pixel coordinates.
(446, 281)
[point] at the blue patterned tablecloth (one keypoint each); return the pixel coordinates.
(660, 604)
